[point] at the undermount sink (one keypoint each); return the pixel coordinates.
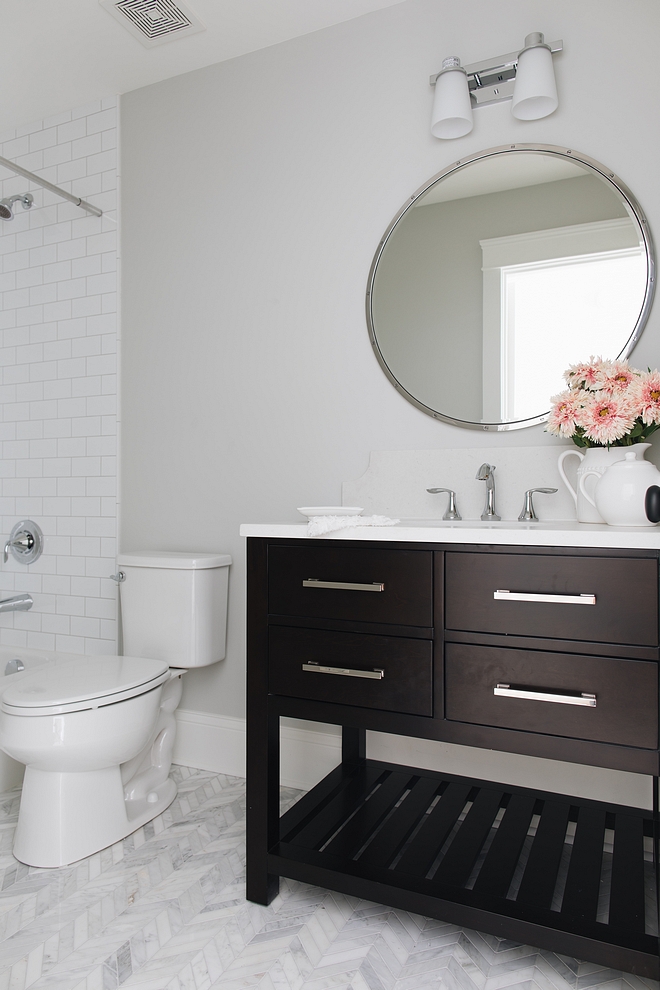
(486, 524)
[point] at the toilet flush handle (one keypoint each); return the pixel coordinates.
(118, 577)
(13, 666)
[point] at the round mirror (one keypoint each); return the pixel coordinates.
(500, 272)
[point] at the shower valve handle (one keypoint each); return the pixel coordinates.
(23, 543)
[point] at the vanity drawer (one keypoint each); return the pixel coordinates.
(364, 584)
(626, 693)
(625, 591)
(390, 673)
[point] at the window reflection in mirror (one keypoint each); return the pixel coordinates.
(500, 275)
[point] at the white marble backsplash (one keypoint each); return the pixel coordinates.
(395, 482)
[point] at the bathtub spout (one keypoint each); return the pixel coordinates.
(19, 603)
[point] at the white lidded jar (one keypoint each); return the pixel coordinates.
(174, 606)
(620, 494)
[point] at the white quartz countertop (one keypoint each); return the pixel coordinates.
(507, 533)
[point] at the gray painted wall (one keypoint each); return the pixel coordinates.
(254, 196)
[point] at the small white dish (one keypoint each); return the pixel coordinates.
(330, 510)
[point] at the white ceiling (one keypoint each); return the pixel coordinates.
(60, 54)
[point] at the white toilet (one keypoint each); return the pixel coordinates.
(96, 733)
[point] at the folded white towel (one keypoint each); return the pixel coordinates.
(319, 525)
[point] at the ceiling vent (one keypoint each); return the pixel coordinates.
(154, 22)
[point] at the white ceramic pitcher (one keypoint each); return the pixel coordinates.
(620, 493)
(594, 461)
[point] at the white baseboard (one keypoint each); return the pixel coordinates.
(217, 742)
(210, 742)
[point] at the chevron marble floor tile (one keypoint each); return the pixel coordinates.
(165, 909)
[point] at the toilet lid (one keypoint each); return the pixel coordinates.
(81, 683)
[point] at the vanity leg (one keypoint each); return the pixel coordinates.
(263, 813)
(263, 738)
(353, 744)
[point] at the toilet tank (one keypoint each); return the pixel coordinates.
(174, 606)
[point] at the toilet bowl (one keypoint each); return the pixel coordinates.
(72, 723)
(96, 734)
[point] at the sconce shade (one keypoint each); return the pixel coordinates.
(535, 90)
(452, 107)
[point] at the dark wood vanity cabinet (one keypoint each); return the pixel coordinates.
(548, 652)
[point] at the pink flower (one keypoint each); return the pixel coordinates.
(587, 375)
(565, 414)
(608, 417)
(606, 402)
(618, 377)
(649, 397)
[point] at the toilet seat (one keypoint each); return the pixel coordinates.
(82, 683)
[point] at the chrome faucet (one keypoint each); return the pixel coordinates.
(487, 473)
(19, 603)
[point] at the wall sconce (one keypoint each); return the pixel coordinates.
(525, 77)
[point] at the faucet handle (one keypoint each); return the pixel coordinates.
(527, 513)
(452, 512)
(24, 543)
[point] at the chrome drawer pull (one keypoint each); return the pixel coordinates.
(316, 668)
(343, 585)
(523, 596)
(584, 699)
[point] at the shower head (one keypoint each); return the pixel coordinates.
(7, 205)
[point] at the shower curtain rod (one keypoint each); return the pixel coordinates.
(76, 200)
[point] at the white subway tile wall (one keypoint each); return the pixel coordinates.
(58, 381)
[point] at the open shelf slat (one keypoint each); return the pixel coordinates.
(513, 858)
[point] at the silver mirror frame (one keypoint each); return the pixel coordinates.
(589, 163)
